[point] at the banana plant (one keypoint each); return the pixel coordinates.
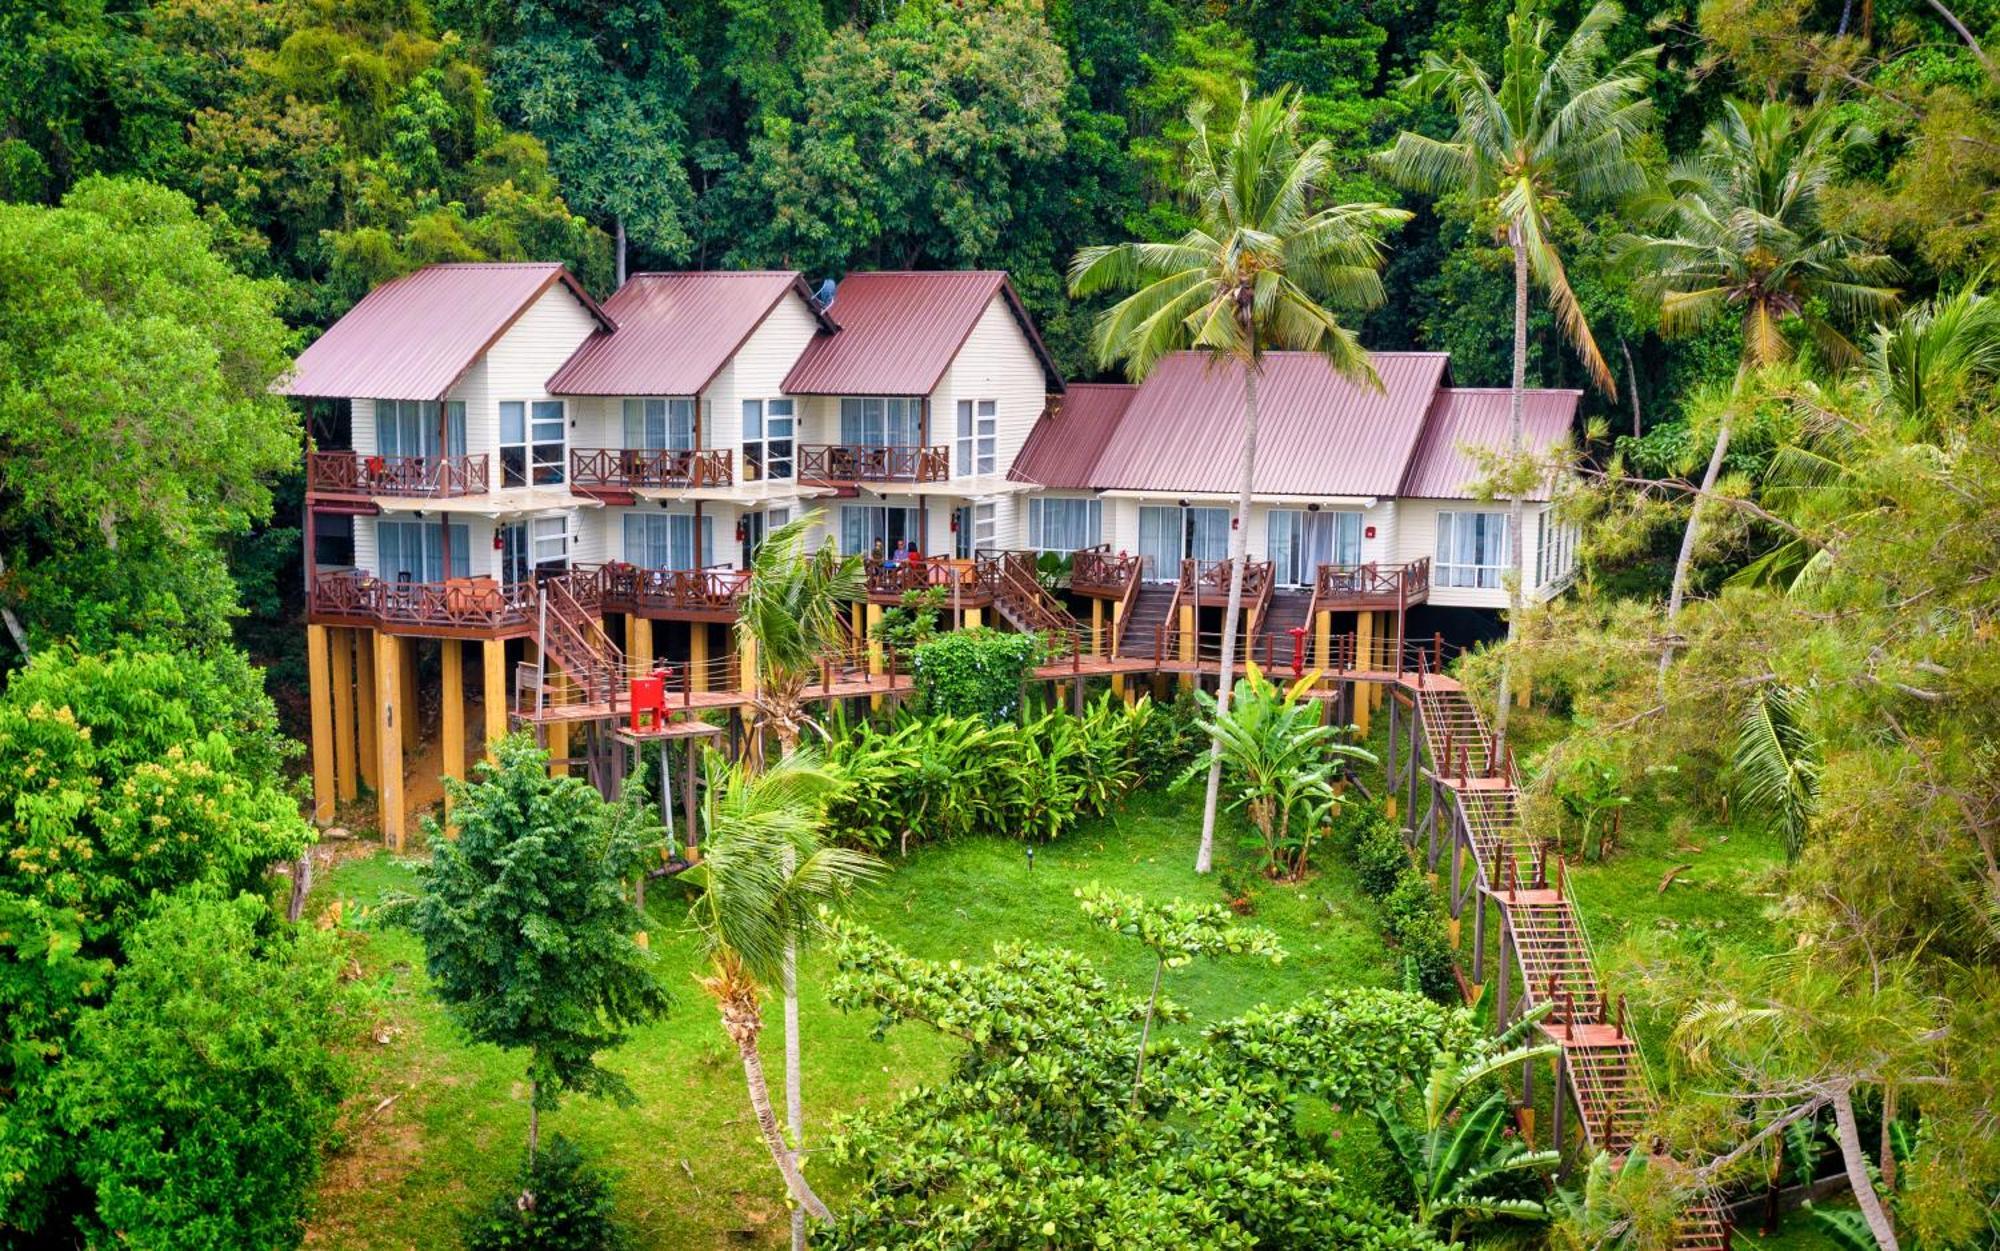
(1462, 1160)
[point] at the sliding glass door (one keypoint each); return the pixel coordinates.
(1300, 542)
(1169, 534)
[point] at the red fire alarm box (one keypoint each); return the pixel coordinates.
(1368, 532)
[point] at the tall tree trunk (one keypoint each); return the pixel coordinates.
(1631, 385)
(621, 250)
(1678, 593)
(534, 1120)
(1856, 1161)
(14, 629)
(795, 1108)
(1516, 547)
(1239, 539)
(743, 1029)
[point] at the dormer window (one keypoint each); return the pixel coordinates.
(533, 436)
(410, 428)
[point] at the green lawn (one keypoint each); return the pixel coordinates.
(693, 1172)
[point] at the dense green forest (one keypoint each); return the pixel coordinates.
(1787, 476)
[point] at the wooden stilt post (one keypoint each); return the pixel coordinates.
(1437, 803)
(1478, 941)
(494, 654)
(406, 671)
(367, 716)
(451, 735)
(1389, 762)
(639, 641)
(1503, 1005)
(1415, 751)
(1557, 1112)
(698, 656)
(389, 703)
(341, 674)
(319, 689)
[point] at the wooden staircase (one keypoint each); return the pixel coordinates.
(1152, 608)
(572, 635)
(1271, 644)
(1020, 598)
(1602, 1073)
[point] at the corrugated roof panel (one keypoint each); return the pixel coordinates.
(1317, 432)
(1479, 417)
(675, 331)
(413, 337)
(1062, 450)
(900, 330)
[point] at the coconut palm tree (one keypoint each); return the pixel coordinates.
(1560, 124)
(789, 618)
(1266, 257)
(761, 886)
(1743, 236)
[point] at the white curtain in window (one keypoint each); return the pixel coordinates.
(1064, 525)
(410, 428)
(413, 551)
(657, 424)
(1471, 549)
(667, 541)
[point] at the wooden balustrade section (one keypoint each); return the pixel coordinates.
(420, 477)
(837, 464)
(593, 470)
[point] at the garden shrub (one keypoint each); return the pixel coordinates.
(974, 673)
(1376, 846)
(1415, 919)
(561, 1202)
(1170, 738)
(926, 778)
(913, 622)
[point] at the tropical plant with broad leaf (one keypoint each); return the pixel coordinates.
(1280, 764)
(1266, 258)
(1455, 1142)
(1778, 757)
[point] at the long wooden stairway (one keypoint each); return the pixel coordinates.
(571, 634)
(1020, 598)
(1600, 1072)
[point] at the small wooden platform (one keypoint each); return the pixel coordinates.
(677, 728)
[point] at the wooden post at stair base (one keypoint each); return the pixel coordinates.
(340, 673)
(1096, 627)
(367, 714)
(406, 669)
(698, 656)
(390, 714)
(494, 654)
(451, 733)
(1188, 642)
(319, 684)
(1478, 943)
(1556, 1110)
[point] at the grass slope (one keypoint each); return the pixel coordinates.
(693, 1173)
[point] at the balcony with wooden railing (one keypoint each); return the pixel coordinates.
(421, 477)
(1205, 583)
(613, 473)
(455, 608)
(1100, 574)
(969, 583)
(851, 464)
(709, 594)
(1372, 587)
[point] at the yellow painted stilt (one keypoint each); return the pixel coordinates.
(698, 656)
(1097, 627)
(451, 735)
(390, 713)
(746, 664)
(495, 697)
(1188, 641)
(341, 674)
(366, 714)
(639, 642)
(558, 731)
(874, 637)
(1323, 641)
(319, 686)
(406, 670)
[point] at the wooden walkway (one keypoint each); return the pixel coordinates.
(1544, 952)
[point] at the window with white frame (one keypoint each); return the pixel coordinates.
(533, 440)
(1471, 550)
(881, 421)
(410, 428)
(530, 547)
(768, 427)
(872, 530)
(1056, 524)
(978, 436)
(656, 425)
(413, 551)
(1555, 550)
(668, 540)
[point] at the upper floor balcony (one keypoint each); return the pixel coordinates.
(613, 471)
(861, 464)
(709, 594)
(476, 607)
(423, 477)
(1372, 586)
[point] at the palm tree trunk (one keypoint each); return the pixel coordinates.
(1516, 548)
(1239, 539)
(795, 1108)
(1678, 593)
(534, 1120)
(1146, 1028)
(767, 1123)
(1856, 1161)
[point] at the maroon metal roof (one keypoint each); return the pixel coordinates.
(900, 330)
(1317, 432)
(412, 338)
(1478, 417)
(1062, 450)
(676, 331)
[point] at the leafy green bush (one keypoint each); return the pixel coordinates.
(1169, 740)
(560, 1203)
(1415, 920)
(926, 778)
(200, 1096)
(913, 622)
(974, 673)
(1376, 847)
